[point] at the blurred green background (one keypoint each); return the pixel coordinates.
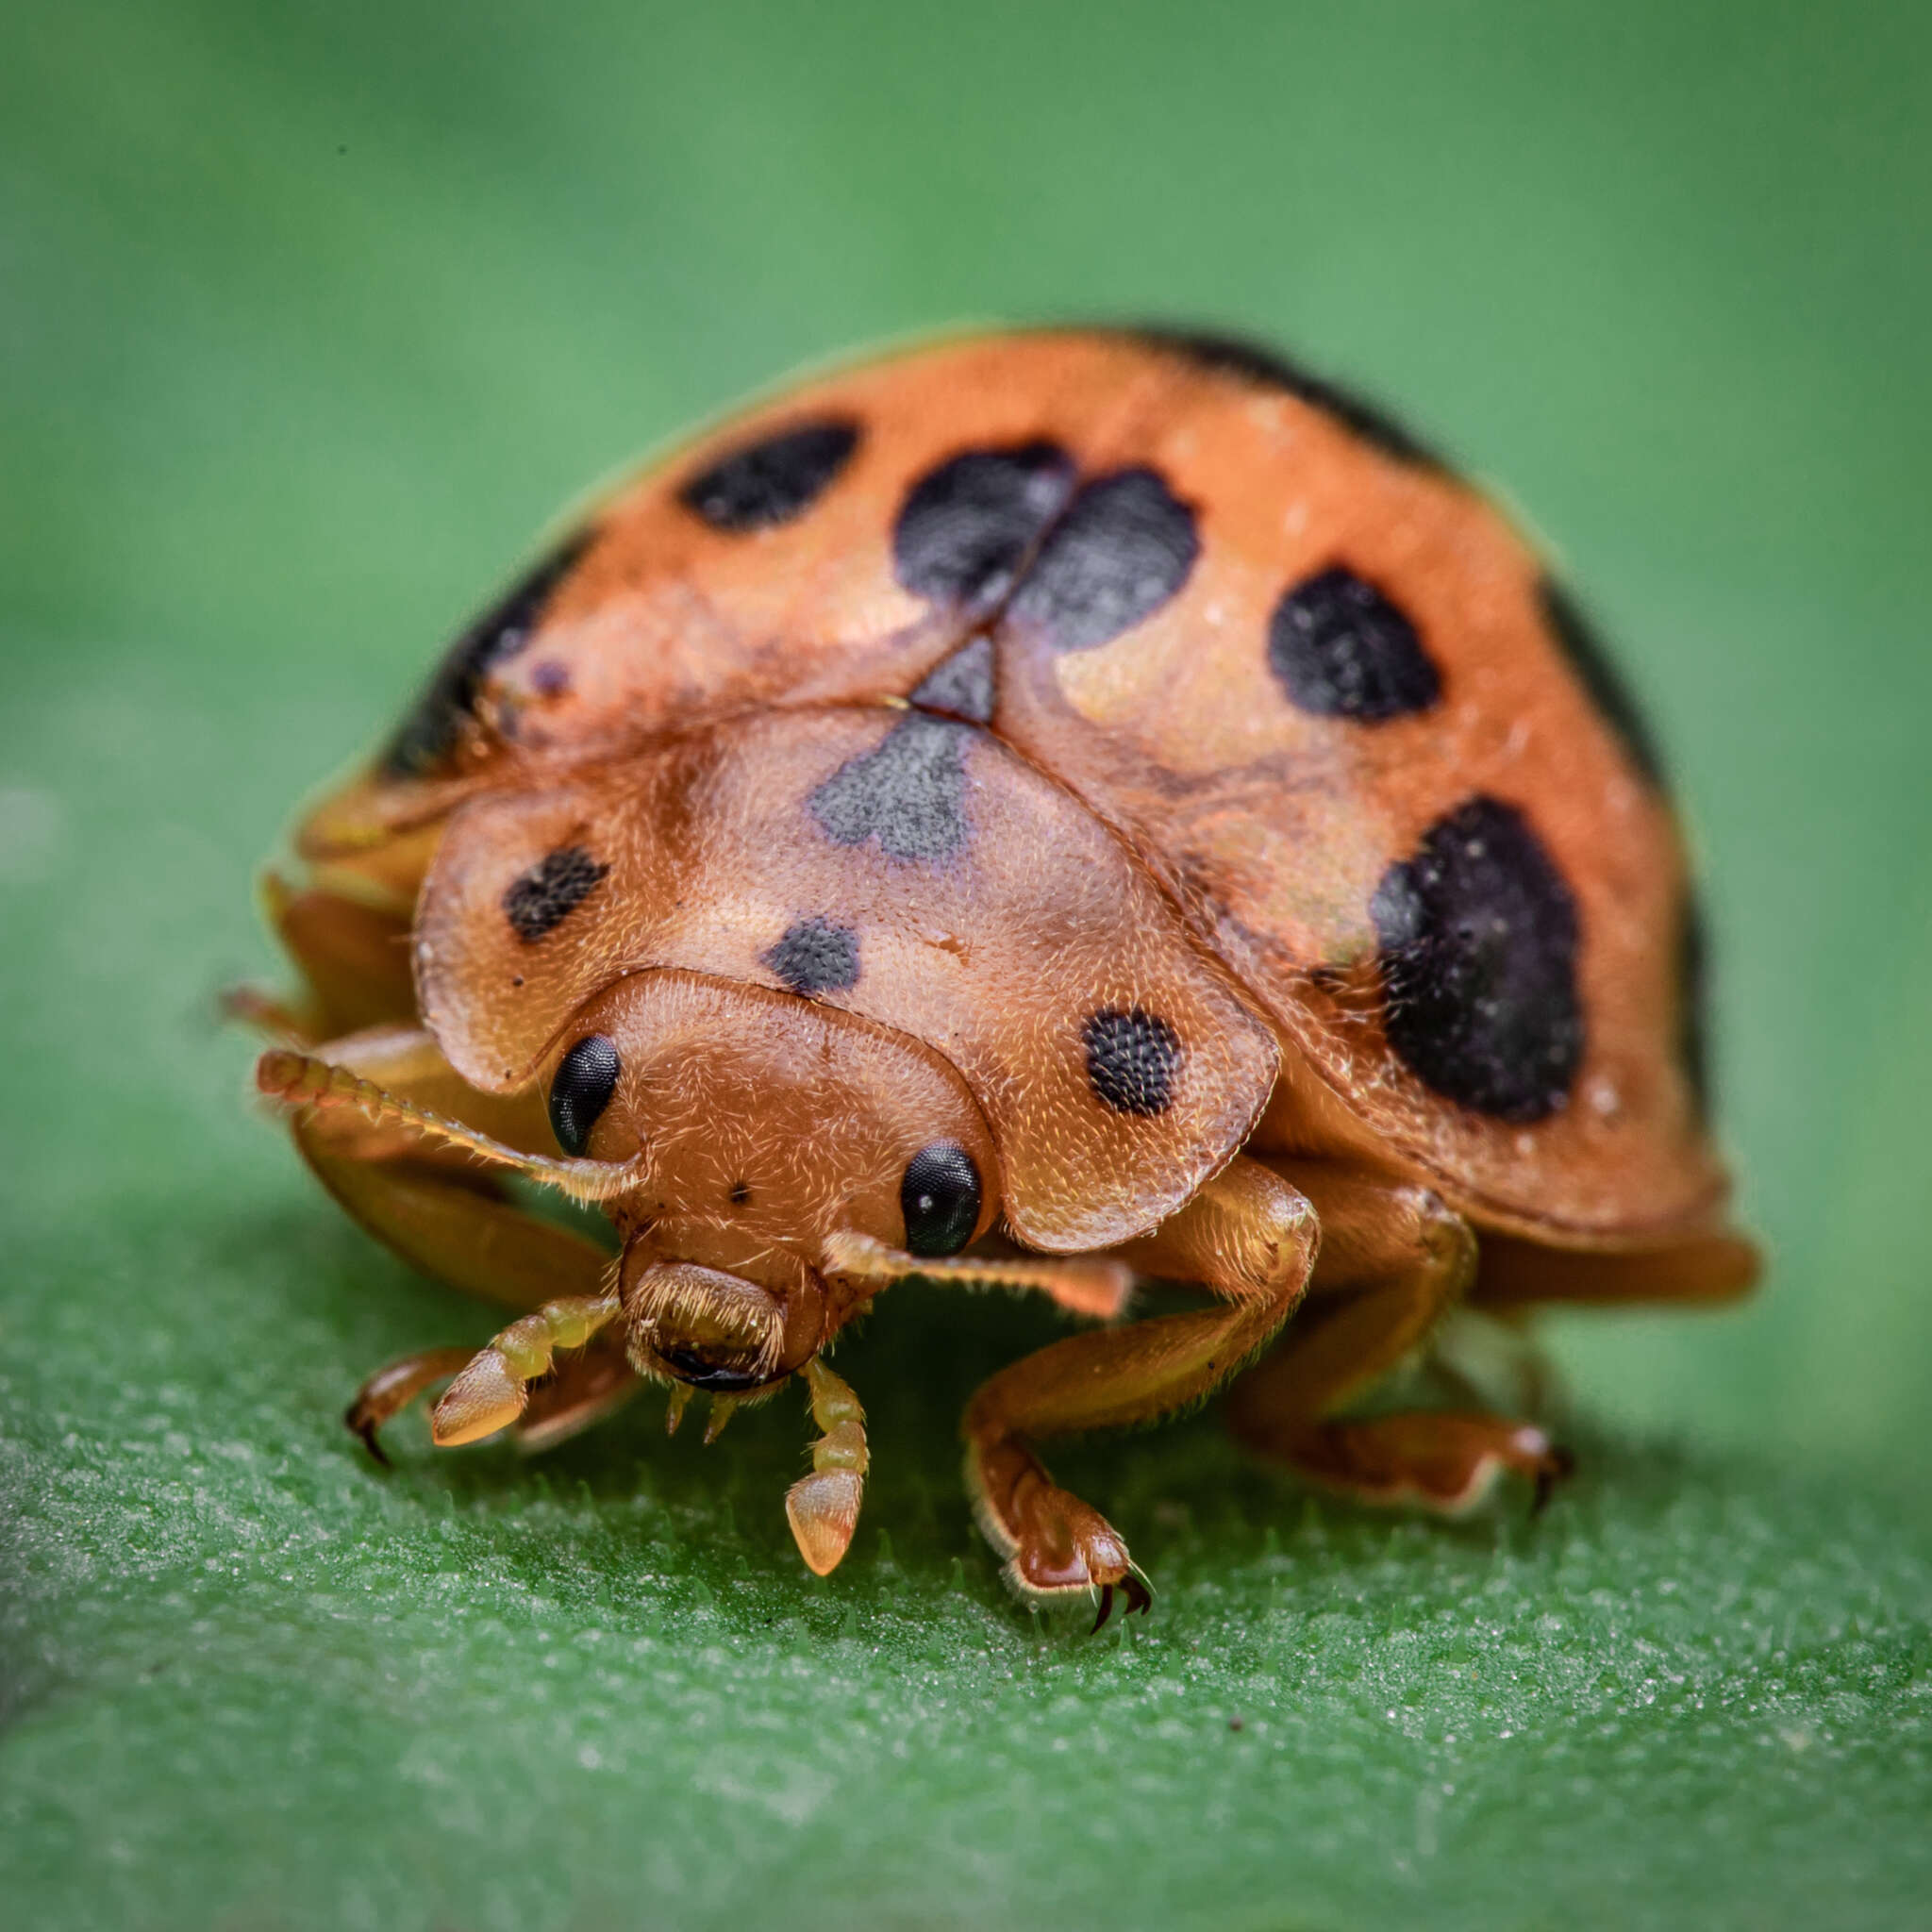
(308, 318)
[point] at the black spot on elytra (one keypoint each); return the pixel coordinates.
(940, 1198)
(1269, 369)
(1125, 546)
(740, 1193)
(586, 1078)
(1694, 986)
(1132, 1059)
(1589, 659)
(1342, 650)
(771, 481)
(429, 733)
(1478, 953)
(909, 793)
(538, 901)
(968, 526)
(961, 684)
(814, 955)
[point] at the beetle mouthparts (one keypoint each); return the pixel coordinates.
(706, 1328)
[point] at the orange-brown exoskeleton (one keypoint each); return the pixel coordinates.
(1045, 809)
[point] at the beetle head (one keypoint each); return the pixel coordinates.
(773, 1139)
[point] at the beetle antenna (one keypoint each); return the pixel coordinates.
(300, 1080)
(1087, 1287)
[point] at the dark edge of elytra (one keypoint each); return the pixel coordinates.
(1694, 991)
(1600, 675)
(1230, 355)
(434, 722)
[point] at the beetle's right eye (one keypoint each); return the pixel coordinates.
(940, 1198)
(586, 1078)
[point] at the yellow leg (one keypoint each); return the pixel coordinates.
(1250, 1238)
(1394, 1260)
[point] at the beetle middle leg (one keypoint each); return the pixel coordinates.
(1248, 1237)
(1394, 1260)
(349, 936)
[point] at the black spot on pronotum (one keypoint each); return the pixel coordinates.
(1579, 642)
(586, 1078)
(1125, 545)
(909, 793)
(939, 1197)
(429, 733)
(961, 684)
(1478, 939)
(967, 526)
(540, 899)
(1341, 649)
(1133, 1060)
(813, 955)
(1693, 983)
(1269, 369)
(759, 485)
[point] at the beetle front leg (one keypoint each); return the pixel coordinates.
(392, 1388)
(492, 1385)
(1248, 1237)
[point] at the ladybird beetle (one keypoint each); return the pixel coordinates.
(1044, 808)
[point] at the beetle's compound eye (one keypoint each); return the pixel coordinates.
(940, 1198)
(586, 1078)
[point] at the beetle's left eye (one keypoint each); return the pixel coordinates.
(586, 1078)
(939, 1199)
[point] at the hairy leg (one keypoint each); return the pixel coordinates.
(350, 939)
(1250, 1238)
(1710, 1269)
(1395, 1259)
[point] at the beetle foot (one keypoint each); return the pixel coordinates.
(1557, 1466)
(359, 1421)
(1434, 1460)
(1060, 1549)
(391, 1390)
(1134, 1587)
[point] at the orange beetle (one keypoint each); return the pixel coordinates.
(1041, 808)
